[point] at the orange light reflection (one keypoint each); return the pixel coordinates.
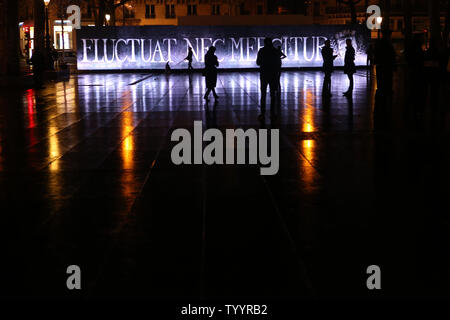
(309, 112)
(127, 149)
(308, 171)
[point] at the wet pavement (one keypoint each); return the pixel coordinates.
(86, 178)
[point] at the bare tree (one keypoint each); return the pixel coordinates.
(352, 5)
(408, 20)
(386, 12)
(102, 7)
(447, 21)
(39, 25)
(9, 38)
(435, 21)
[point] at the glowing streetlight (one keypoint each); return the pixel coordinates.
(379, 22)
(107, 17)
(47, 33)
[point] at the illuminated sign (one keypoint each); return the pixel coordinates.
(151, 47)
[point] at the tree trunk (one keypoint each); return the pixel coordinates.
(62, 12)
(386, 11)
(112, 11)
(408, 20)
(101, 13)
(92, 4)
(435, 23)
(39, 25)
(9, 37)
(123, 15)
(352, 6)
(447, 23)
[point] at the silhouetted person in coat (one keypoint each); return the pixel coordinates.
(270, 63)
(328, 67)
(167, 68)
(349, 65)
(38, 62)
(189, 59)
(385, 63)
(370, 56)
(211, 64)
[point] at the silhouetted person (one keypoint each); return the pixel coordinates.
(167, 68)
(211, 64)
(385, 63)
(189, 59)
(370, 57)
(269, 62)
(349, 65)
(54, 57)
(38, 62)
(282, 56)
(328, 60)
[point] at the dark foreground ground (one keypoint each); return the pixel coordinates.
(86, 178)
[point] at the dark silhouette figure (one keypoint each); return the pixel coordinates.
(385, 63)
(328, 60)
(370, 58)
(349, 65)
(269, 62)
(189, 59)
(167, 68)
(370, 55)
(282, 56)
(38, 62)
(54, 58)
(210, 72)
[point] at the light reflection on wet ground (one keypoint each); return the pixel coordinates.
(86, 178)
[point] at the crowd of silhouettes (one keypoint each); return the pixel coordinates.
(328, 57)
(425, 69)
